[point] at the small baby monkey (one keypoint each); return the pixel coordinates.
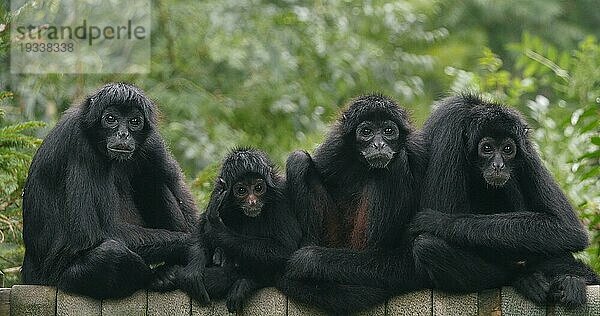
(248, 193)
(248, 228)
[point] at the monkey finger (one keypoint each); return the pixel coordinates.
(222, 182)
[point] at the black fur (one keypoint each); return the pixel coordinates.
(93, 224)
(327, 193)
(256, 248)
(474, 235)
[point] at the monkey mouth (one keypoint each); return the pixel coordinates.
(252, 211)
(496, 180)
(121, 149)
(379, 160)
(120, 152)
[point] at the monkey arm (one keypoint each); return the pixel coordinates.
(528, 232)
(182, 202)
(164, 193)
(548, 226)
(192, 277)
(308, 197)
(383, 268)
(182, 205)
(154, 245)
(262, 250)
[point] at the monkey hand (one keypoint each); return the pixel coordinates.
(165, 278)
(568, 290)
(429, 221)
(215, 231)
(216, 203)
(218, 258)
(534, 286)
(220, 185)
(215, 225)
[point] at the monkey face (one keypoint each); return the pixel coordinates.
(377, 141)
(495, 159)
(120, 130)
(249, 194)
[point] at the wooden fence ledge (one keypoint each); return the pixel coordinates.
(33, 300)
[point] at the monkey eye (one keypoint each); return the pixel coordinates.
(259, 188)
(366, 132)
(241, 190)
(135, 122)
(110, 119)
(487, 148)
(388, 131)
(508, 149)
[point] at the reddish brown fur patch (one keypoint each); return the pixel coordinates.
(358, 236)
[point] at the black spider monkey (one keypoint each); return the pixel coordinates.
(493, 213)
(356, 196)
(248, 228)
(104, 199)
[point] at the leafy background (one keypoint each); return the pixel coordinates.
(274, 74)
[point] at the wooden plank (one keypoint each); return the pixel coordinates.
(592, 308)
(136, 304)
(415, 304)
(489, 303)
(212, 309)
(174, 303)
(267, 301)
(219, 308)
(514, 304)
(41, 300)
(200, 310)
(4, 301)
(447, 304)
(32, 300)
(378, 310)
(295, 308)
(68, 304)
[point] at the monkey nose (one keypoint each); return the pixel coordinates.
(498, 167)
(379, 145)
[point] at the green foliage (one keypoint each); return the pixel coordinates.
(15, 157)
(559, 92)
(273, 74)
(475, 23)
